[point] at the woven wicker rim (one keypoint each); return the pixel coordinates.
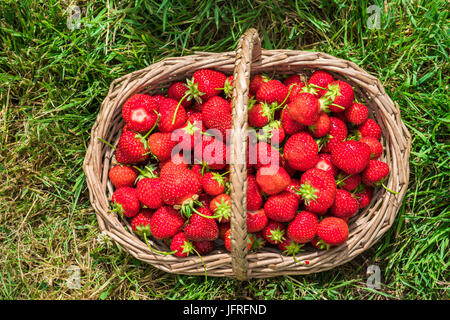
(365, 229)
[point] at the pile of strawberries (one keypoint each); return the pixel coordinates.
(312, 160)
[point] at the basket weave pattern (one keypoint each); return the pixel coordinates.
(365, 229)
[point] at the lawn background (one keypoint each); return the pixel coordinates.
(53, 80)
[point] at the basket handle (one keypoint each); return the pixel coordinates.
(248, 49)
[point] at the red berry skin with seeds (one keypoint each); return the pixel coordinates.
(301, 151)
(325, 164)
(168, 109)
(216, 114)
(143, 101)
(322, 79)
(127, 199)
(281, 207)
(213, 183)
(272, 179)
(305, 109)
(375, 173)
(321, 127)
(200, 228)
(364, 197)
(272, 91)
(350, 183)
(131, 149)
(166, 222)
(256, 82)
(350, 156)
(259, 115)
(203, 247)
(356, 114)
(122, 176)
(274, 232)
(318, 190)
(338, 132)
(181, 245)
(212, 152)
(140, 224)
(289, 125)
(210, 82)
(256, 220)
(161, 145)
(376, 148)
(149, 192)
(333, 231)
(303, 228)
(345, 205)
(254, 196)
(341, 94)
(293, 187)
(293, 79)
(177, 91)
(370, 129)
(265, 155)
(142, 117)
(221, 206)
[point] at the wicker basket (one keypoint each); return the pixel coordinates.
(365, 229)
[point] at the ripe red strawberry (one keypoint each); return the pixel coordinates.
(132, 148)
(227, 240)
(290, 247)
(356, 114)
(325, 164)
(260, 114)
(203, 247)
(281, 207)
(348, 182)
(140, 224)
(332, 231)
(274, 232)
(200, 228)
(341, 95)
(216, 114)
(166, 222)
(303, 228)
(338, 132)
(370, 129)
(173, 115)
(141, 115)
(158, 98)
(345, 205)
(293, 79)
(256, 82)
(211, 152)
(223, 228)
(254, 197)
(321, 127)
(375, 173)
(376, 148)
(141, 102)
(319, 79)
(364, 196)
(177, 91)
(122, 176)
(161, 145)
(272, 179)
(304, 108)
(256, 220)
(178, 183)
(149, 192)
(205, 83)
(125, 202)
(351, 156)
(318, 190)
(220, 206)
(181, 245)
(289, 125)
(293, 187)
(213, 183)
(272, 91)
(301, 151)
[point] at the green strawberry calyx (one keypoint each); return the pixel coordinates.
(307, 192)
(223, 210)
(228, 88)
(148, 171)
(164, 253)
(322, 245)
(143, 229)
(293, 248)
(277, 235)
(193, 92)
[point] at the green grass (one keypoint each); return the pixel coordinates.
(53, 80)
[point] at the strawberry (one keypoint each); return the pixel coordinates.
(254, 197)
(290, 247)
(332, 231)
(293, 187)
(356, 114)
(272, 179)
(228, 87)
(318, 80)
(303, 228)
(274, 232)
(178, 184)
(301, 151)
(203, 247)
(338, 132)
(158, 98)
(220, 206)
(132, 148)
(227, 240)
(263, 154)
(122, 176)
(256, 220)
(325, 164)
(304, 108)
(295, 90)
(136, 107)
(181, 245)
(260, 114)
(294, 79)
(341, 95)
(200, 228)
(364, 196)
(375, 173)
(376, 148)
(211, 152)
(166, 222)
(321, 127)
(216, 114)
(161, 145)
(177, 91)
(213, 183)
(125, 202)
(370, 129)
(140, 224)
(273, 132)
(345, 205)
(272, 91)
(281, 207)
(204, 85)
(173, 115)
(348, 182)
(149, 192)
(318, 190)
(351, 156)
(256, 82)
(289, 125)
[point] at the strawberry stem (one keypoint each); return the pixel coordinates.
(391, 191)
(107, 143)
(178, 106)
(165, 253)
